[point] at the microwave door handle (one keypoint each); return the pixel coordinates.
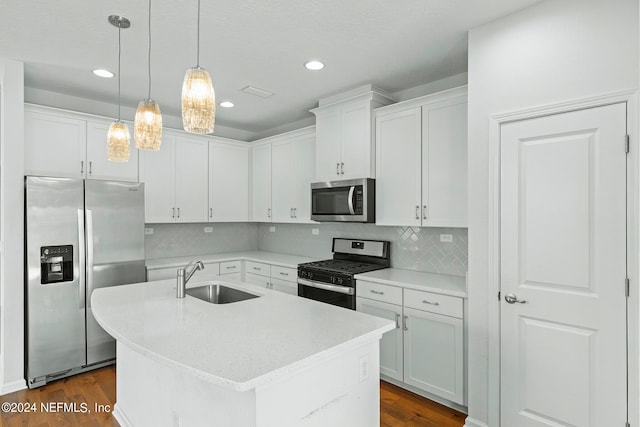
(351, 191)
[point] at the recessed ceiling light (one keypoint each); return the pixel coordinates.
(226, 104)
(103, 73)
(314, 65)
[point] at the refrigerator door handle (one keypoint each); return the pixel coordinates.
(89, 256)
(80, 255)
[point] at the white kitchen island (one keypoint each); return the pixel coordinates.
(276, 360)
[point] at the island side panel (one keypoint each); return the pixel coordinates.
(149, 393)
(343, 391)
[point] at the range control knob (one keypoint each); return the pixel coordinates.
(310, 275)
(340, 281)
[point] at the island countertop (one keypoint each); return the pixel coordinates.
(238, 346)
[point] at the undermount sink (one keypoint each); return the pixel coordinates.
(219, 294)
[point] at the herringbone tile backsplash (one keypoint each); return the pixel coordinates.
(412, 248)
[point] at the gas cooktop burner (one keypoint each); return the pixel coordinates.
(342, 266)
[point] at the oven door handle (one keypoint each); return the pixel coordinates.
(351, 191)
(313, 284)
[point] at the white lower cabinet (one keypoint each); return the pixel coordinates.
(256, 279)
(282, 279)
(426, 349)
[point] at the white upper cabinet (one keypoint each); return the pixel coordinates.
(228, 182)
(176, 180)
(261, 183)
(67, 145)
(293, 170)
(345, 143)
(98, 165)
(421, 161)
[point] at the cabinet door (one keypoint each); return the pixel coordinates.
(228, 182)
(357, 157)
(192, 179)
(391, 362)
(305, 175)
(283, 180)
(258, 280)
(261, 183)
(157, 169)
(280, 285)
(54, 145)
(328, 144)
(444, 163)
(398, 168)
(433, 354)
(98, 164)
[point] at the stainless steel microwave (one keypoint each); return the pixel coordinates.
(351, 200)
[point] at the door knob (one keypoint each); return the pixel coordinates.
(512, 299)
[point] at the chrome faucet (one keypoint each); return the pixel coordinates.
(184, 276)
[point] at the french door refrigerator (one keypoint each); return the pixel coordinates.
(80, 235)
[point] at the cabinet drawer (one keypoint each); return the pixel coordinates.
(284, 286)
(284, 273)
(434, 303)
(229, 267)
(258, 268)
(256, 279)
(379, 292)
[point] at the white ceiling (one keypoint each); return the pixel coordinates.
(394, 44)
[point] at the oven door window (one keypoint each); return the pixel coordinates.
(330, 201)
(329, 297)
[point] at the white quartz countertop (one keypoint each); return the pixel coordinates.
(238, 346)
(438, 283)
(283, 260)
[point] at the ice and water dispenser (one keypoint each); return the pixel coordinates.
(56, 264)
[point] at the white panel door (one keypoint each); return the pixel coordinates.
(98, 164)
(192, 179)
(228, 182)
(444, 164)
(433, 354)
(261, 183)
(391, 363)
(305, 175)
(328, 145)
(398, 168)
(563, 255)
(283, 180)
(157, 171)
(357, 156)
(54, 145)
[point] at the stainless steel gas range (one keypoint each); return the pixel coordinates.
(332, 281)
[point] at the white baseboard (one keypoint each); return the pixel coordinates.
(121, 417)
(470, 422)
(11, 387)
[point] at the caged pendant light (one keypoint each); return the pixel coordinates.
(147, 131)
(198, 97)
(118, 136)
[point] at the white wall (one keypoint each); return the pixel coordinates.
(552, 52)
(11, 226)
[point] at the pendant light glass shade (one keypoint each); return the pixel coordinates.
(118, 142)
(147, 131)
(198, 101)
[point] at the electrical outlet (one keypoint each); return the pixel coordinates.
(272, 229)
(208, 229)
(364, 367)
(446, 238)
(148, 230)
(315, 231)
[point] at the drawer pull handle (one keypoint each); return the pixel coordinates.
(376, 292)
(404, 323)
(257, 268)
(231, 267)
(430, 302)
(397, 320)
(284, 274)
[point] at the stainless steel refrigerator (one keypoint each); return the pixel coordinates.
(80, 235)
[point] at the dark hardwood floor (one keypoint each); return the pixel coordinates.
(398, 407)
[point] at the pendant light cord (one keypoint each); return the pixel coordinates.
(149, 53)
(198, 44)
(119, 53)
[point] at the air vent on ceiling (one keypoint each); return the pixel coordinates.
(258, 92)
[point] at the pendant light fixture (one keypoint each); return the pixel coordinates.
(198, 97)
(118, 136)
(147, 131)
